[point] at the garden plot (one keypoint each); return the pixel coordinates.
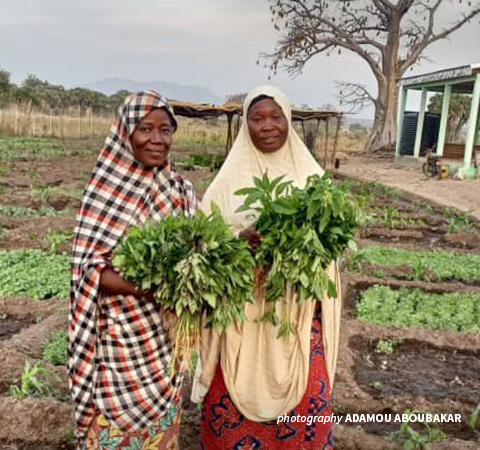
(415, 251)
(410, 337)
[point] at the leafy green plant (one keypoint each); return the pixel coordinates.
(387, 346)
(303, 231)
(443, 264)
(35, 274)
(419, 269)
(418, 440)
(4, 170)
(212, 161)
(43, 192)
(373, 190)
(390, 217)
(30, 149)
(195, 266)
(378, 385)
(414, 308)
(55, 349)
(460, 223)
(33, 383)
(448, 212)
(474, 422)
(33, 177)
(3, 230)
(354, 261)
(20, 211)
(57, 239)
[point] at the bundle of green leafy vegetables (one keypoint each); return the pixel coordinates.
(303, 231)
(196, 267)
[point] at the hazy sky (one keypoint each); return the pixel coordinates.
(208, 43)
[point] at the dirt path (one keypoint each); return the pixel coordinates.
(464, 195)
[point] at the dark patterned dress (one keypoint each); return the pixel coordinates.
(223, 427)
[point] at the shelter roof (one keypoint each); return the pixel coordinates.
(461, 78)
(195, 110)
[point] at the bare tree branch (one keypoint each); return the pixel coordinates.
(430, 37)
(354, 96)
(389, 35)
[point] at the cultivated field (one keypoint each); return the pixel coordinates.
(411, 319)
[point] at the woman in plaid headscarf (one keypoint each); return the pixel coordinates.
(119, 352)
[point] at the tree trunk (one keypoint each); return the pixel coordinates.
(384, 130)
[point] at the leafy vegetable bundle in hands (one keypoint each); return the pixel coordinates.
(195, 266)
(303, 231)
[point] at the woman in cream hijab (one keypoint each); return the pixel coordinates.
(251, 382)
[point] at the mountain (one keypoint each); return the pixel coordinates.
(349, 120)
(170, 90)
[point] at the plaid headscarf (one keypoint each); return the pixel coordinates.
(119, 352)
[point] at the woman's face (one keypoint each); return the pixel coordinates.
(152, 138)
(267, 125)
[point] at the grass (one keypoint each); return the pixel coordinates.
(406, 308)
(30, 149)
(33, 383)
(20, 211)
(57, 239)
(212, 161)
(34, 274)
(445, 265)
(55, 349)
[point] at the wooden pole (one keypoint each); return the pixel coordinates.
(51, 123)
(16, 119)
(325, 150)
(237, 127)
(229, 134)
(335, 142)
(314, 149)
(79, 123)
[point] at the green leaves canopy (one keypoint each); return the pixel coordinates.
(303, 231)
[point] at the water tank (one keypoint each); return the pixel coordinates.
(431, 125)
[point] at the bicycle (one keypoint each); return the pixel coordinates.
(432, 166)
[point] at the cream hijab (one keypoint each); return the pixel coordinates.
(265, 376)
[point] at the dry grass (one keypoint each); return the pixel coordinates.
(208, 135)
(22, 121)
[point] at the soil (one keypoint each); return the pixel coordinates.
(408, 176)
(434, 371)
(10, 325)
(419, 368)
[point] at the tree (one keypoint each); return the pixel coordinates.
(236, 98)
(458, 113)
(5, 87)
(115, 100)
(389, 35)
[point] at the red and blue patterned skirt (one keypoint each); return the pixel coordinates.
(223, 427)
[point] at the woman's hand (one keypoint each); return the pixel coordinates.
(252, 236)
(111, 283)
